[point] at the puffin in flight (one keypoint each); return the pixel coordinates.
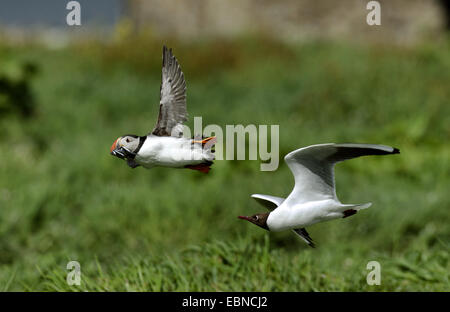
(313, 198)
(165, 146)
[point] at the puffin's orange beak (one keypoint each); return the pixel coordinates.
(113, 147)
(119, 151)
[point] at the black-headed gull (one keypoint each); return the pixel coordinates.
(165, 146)
(313, 198)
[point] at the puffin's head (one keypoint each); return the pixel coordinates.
(260, 219)
(125, 146)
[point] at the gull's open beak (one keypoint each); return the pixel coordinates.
(245, 218)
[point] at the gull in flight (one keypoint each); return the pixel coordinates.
(313, 198)
(164, 146)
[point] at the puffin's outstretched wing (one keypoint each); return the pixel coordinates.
(313, 167)
(172, 105)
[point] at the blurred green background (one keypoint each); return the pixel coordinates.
(63, 197)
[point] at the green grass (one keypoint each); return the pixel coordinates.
(63, 197)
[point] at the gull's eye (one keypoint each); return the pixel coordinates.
(256, 218)
(128, 140)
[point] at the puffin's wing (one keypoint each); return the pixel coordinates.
(268, 201)
(313, 167)
(172, 104)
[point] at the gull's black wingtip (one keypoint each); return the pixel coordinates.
(396, 151)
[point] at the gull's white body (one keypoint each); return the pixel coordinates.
(291, 215)
(168, 151)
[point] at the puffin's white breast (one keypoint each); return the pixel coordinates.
(169, 152)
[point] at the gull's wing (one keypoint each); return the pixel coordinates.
(313, 167)
(172, 104)
(268, 201)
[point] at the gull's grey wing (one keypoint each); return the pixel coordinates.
(268, 201)
(305, 236)
(172, 105)
(313, 167)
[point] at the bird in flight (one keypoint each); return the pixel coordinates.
(313, 198)
(165, 146)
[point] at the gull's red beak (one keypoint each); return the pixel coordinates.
(244, 218)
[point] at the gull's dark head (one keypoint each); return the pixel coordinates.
(125, 146)
(260, 219)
